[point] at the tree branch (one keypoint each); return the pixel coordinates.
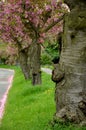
(53, 24)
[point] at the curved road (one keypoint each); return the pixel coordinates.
(6, 77)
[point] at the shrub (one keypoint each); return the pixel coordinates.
(45, 59)
(53, 50)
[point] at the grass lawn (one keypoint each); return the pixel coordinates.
(29, 107)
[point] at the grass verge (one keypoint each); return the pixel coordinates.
(29, 107)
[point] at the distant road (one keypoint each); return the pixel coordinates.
(47, 70)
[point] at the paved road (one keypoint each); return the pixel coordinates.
(6, 77)
(47, 70)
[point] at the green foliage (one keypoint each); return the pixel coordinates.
(2, 46)
(3, 54)
(45, 59)
(53, 50)
(8, 56)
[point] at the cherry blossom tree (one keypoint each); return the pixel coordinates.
(12, 31)
(25, 24)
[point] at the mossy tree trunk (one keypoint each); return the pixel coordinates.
(23, 60)
(35, 64)
(29, 60)
(70, 73)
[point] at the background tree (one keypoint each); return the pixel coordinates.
(12, 32)
(70, 73)
(38, 20)
(8, 54)
(26, 20)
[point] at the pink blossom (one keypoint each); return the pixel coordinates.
(0, 26)
(48, 8)
(40, 40)
(22, 21)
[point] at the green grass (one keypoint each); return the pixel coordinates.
(29, 107)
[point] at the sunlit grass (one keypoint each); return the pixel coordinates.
(31, 107)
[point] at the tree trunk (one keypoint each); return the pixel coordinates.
(35, 64)
(23, 64)
(70, 73)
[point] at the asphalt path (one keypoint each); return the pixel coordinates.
(6, 77)
(47, 70)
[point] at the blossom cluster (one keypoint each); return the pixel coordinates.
(24, 20)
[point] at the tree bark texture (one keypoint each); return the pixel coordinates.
(70, 73)
(35, 64)
(23, 64)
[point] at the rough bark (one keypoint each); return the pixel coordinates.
(35, 64)
(29, 60)
(23, 57)
(70, 73)
(75, 3)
